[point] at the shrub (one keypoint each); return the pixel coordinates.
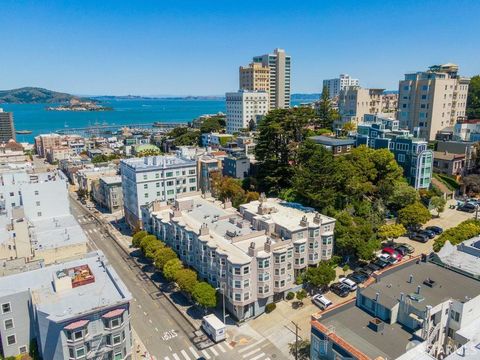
(270, 307)
(301, 294)
(290, 295)
(457, 234)
(138, 237)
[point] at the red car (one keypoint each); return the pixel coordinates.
(392, 252)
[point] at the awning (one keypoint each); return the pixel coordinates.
(113, 313)
(76, 325)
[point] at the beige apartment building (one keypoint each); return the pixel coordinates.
(252, 255)
(279, 64)
(255, 77)
(431, 100)
(354, 102)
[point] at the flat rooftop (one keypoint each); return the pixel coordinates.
(448, 285)
(465, 257)
(56, 232)
(110, 180)
(106, 290)
(352, 325)
(157, 162)
(287, 214)
(331, 141)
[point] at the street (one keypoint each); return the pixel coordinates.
(163, 331)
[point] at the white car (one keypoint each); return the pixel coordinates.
(388, 258)
(350, 283)
(321, 301)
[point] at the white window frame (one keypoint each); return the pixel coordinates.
(9, 308)
(5, 324)
(14, 338)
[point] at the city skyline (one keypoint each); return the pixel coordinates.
(195, 48)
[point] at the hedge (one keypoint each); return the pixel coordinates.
(450, 182)
(456, 235)
(270, 307)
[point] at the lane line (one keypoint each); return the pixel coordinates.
(194, 353)
(166, 358)
(206, 354)
(251, 345)
(214, 351)
(221, 348)
(251, 352)
(185, 355)
(176, 357)
(258, 356)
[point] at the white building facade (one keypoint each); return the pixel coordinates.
(155, 178)
(334, 86)
(245, 108)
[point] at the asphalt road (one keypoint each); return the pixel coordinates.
(164, 332)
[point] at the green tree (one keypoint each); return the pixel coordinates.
(171, 268)
(279, 134)
(438, 203)
(455, 235)
(212, 124)
(391, 231)
(153, 248)
(163, 256)
(149, 152)
(472, 184)
(414, 215)
(146, 240)
(325, 112)
(300, 350)
(224, 187)
(301, 295)
(137, 237)
(318, 276)
(205, 295)
(473, 98)
(401, 196)
(186, 280)
(345, 268)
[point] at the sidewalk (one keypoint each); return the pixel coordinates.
(139, 351)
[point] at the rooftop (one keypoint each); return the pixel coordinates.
(448, 285)
(56, 232)
(157, 162)
(465, 257)
(351, 324)
(445, 155)
(330, 141)
(117, 179)
(90, 283)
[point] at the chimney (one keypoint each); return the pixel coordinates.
(317, 219)
(204, 229)
(304, 221)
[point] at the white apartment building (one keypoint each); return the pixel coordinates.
(431, 100)
(155, 178)
(279, 65)
(355, 102)
(245, 107)
(72, 310)
(35, 219)
(253, 255)
(334, 86)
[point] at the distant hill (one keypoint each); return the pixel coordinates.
(34, 95)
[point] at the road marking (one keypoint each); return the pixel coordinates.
(214, 351)
(194, 353)
(150, 321)
(221, 348)
(267, 359)
(156, 329)
(229, 346)
(251, 345)
(166, 358)
(206, 354)
(251, 352)
(144, 313)
(185, 355)
(258, 356)
(176, 357)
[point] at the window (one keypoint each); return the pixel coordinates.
(36, 192)
(22, 349)
(246, 283)
(77, 335)
(118, 356)
(237, 284)
(8, 324)
(115, 322)
(238, 297)
(401, 158)
(169, 174)
(11, 339)
(144, 176)
(6, 308)
(455, 315)
(145, 186)
(192, 180)
(80, 352)
(170, 192)
(117, 339)
(236, 271)
(39, 213)
(38, 203)
(246, 270)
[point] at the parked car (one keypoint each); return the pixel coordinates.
(436, 229)
(382, 264)
(405, 249)
(358, 277)
(470, 208)
(352, 285)
(393, 253)
(321, 301)
(419, 237)
(373, 267)
(364, 270)
(340, 289)
(428, 233)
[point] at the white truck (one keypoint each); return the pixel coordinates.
(214, 327)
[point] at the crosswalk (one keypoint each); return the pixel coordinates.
(254, 351)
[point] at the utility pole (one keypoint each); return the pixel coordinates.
(296, 339)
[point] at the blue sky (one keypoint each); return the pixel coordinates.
(195, 47)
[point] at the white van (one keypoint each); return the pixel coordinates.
(214, 327)
(321, 301)
(350, 283)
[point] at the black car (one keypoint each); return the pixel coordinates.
(364, 270)
(419, 237)
(403, 250)
(373, 267)
(382, 264)
(428, 233)
(358, 278)
(436, 229)
(340, 289)
(470, 208)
